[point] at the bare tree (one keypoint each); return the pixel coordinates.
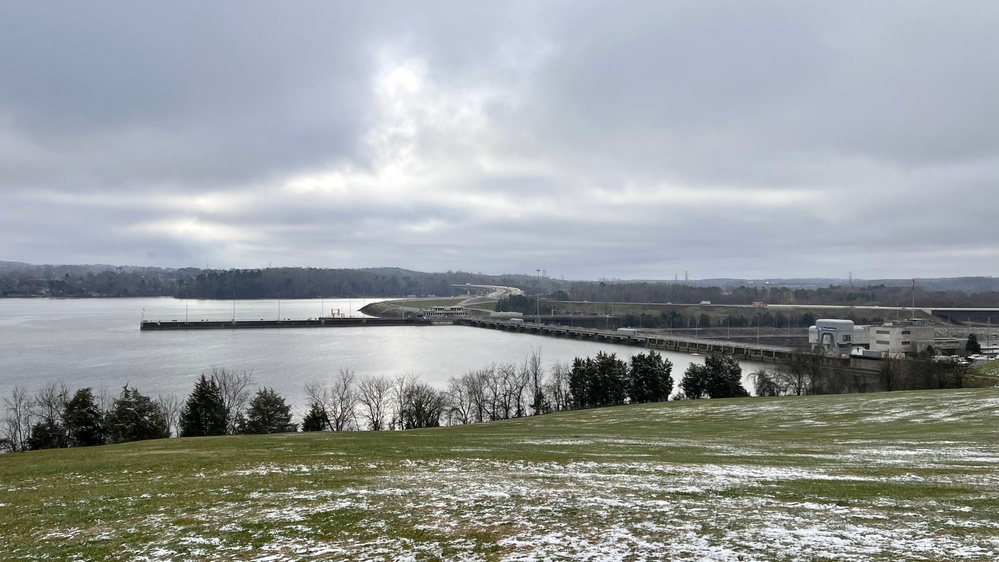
(16, 425)
(475, 385)
(492, 390)
(373, 394)
(894, 374)
(235, 389)
(506, 384)
(50, 401)
(536, 382)
(768, 382)
(558, 386)
(399, 388)
(171, 405)
(459, 406)
(422, 405)
(338, 401)
(802, 373)
(105, 400)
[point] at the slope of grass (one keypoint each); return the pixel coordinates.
(894, 476)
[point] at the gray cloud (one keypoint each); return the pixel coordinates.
(588, 138)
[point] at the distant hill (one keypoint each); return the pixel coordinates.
(19, 279)
(961, 284)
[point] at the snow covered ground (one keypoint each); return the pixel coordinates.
(897, 479)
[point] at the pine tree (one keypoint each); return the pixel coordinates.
(135, 417)
(973, 346)
(268, 413)
(84, 420)
(719, 377)
(204, 412)
(47, 434)
(316, 419)
(651, 378)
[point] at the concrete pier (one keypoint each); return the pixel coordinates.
(288, 323)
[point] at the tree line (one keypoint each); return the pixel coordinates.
(221, 402)
(809, 372)
(23, 280)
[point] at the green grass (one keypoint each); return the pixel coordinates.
(892, 476)
(426, 303)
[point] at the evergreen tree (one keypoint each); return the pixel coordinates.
(973, 346)
(611, 386)
(135, 417)
(602, 381)
(651, 378)
(724, 377)
(47, 434)
(694, 382)
(580, 379)
(719, 377)
(268, 413)
(204, 413)
(316, 419)
(84, 420)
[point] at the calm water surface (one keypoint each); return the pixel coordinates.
(97, 343)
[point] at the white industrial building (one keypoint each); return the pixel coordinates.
(891, 339)
(836, 337)
(908, 337)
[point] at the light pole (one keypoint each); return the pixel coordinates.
(539, 295)
(234, 307)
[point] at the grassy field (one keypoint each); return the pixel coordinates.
(892, 476)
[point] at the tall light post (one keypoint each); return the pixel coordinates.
(234, 307)
(539, 295)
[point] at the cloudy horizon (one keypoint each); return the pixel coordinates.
(645, 140)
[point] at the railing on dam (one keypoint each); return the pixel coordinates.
(665, 342)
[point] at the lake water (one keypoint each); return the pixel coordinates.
(97, 343)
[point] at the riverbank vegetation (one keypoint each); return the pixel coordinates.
(886, 476)
(222, 401)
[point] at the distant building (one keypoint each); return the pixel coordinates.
(908, 337)
(836, 337)
(442, 313)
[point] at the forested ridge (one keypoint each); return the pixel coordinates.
(27, 280)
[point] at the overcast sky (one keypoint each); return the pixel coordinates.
(635, 140)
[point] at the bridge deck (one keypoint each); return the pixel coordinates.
(749, 351)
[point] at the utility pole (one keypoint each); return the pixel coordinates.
(539, 295)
